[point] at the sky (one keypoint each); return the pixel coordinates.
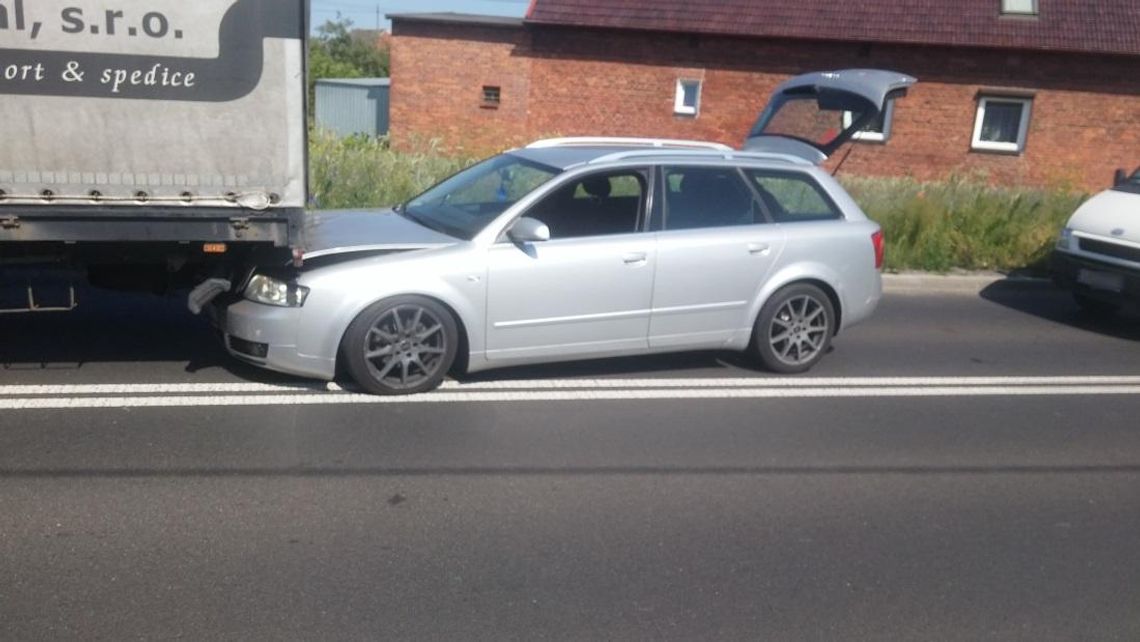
(363, 12)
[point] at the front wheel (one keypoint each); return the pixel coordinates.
(402, 345)
(794, 329)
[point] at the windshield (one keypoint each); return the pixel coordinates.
(1130, 184)
(465, 203)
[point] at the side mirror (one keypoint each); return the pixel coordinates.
(1119, 178)
(529, 230)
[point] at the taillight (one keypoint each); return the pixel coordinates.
(877, 241)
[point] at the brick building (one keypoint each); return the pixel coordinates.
(1042, 92)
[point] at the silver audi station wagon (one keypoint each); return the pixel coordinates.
(589, 247)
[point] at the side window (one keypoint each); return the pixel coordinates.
(792, 197)
(594, 205)
(698, 197)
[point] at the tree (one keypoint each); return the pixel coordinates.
(339, 51)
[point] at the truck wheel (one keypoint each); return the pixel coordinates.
(1095, 307)
(402, 345)
(794, 329)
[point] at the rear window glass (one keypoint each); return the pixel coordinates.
(816, 118)
(793, 197)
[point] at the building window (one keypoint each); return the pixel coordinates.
(688, 98)
(1001, 124)
(1019, 7)
(492, 96)
(878, 130)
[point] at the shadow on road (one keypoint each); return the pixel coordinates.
(112, 327)
(646, 364)
(1053, 304)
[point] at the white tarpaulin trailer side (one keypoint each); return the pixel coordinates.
(151, 103)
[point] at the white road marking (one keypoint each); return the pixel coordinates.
(162, 388)
(793, 382)
(72, 403)
(572, 384)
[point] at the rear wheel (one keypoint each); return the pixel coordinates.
(794, 329)
(401, 345)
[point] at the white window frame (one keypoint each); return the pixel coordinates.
(679, 106)
(994, 146)
(1006, 10)
(872, 137)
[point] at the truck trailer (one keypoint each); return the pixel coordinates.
(150, 144)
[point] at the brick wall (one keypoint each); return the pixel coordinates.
(557, 81)
(438, 74)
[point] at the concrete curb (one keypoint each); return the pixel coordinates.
(956, 283)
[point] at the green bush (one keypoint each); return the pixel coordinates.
(365, 172)
(938, 226)
(963, 224)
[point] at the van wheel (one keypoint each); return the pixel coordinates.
(794, 329)
(402, 345)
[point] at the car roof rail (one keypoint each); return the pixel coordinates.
(776, 156)
(636, 142)
(698, 154)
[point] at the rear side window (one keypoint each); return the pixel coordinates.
(697, 197)
(792, 197)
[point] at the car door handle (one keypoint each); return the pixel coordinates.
(634, 258)
(758, 248)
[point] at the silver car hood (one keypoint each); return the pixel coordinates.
(346, 231)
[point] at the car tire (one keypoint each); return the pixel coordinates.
(1095, 307)
(401, 345)
(794, 328)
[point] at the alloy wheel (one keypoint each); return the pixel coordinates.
(405, 347)
(799, 330)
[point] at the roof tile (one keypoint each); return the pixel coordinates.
(1104, 26)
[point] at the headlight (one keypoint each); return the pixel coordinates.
(1065, 240)
(271, 291)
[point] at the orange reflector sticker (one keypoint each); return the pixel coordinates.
(214, 248)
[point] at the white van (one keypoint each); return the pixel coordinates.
(1098, 254)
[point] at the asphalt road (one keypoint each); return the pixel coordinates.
(965, 466)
